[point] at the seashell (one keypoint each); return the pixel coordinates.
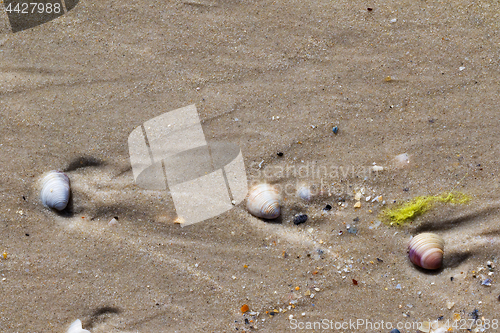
(264, 201)
(426, 250)
(304, 193)
(55, 190)
(76, 327)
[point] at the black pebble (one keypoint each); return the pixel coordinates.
(327, 207)
(27, 234)
(451, 278)
(395, 331)
(298, 219)
(475, 314)
(280, 154)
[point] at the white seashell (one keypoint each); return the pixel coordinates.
(304, 193)
(55, 190)
(426, 250)
(264, 201)
(76, 327)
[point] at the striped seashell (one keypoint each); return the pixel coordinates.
(264, 201)
(55, 190)
(426, 250)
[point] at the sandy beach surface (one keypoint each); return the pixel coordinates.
(395, 77)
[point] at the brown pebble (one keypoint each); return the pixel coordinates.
(244, 308)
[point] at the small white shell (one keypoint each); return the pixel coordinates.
(264, 201)
(76, 327)
(304, 193)
(55, 190)
(426, 250)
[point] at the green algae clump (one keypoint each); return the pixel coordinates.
(408, 211)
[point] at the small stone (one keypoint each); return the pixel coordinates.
(244, 308)
(486, 282)
(357, 204)
(376, 168)
(352, 230)
(388, 79)
(279, 154)
(307, 292)
(475, 314)
(450, 304)
(368, 198)
(395, 331)
(327, 207)
(425, 327)
(461, 68)
(393, 20)
(335, 129)
(299, 219)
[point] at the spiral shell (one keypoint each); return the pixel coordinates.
(55, 190)
(264, 201)
(426, 250)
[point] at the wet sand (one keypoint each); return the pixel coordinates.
(72, 90)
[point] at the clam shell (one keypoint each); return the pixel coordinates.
(426, 250)
(55, 190)
(264, 201)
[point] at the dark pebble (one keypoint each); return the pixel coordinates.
(356, 219)
(380, 260)
(327, 207)
(280, 154)
(335, 130)
(395, 331)
(475, 314)
(451, 278)
(298, 219)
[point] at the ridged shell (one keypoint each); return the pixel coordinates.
(264, 201)
(55, 190)
(426, 250)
